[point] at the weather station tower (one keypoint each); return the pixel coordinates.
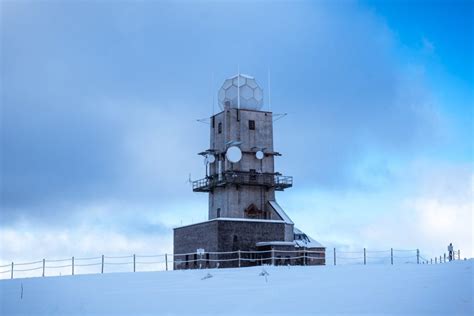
(244, 217)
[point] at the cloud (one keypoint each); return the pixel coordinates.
(426, 205)
(98, 118)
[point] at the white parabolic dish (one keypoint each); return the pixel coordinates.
(234, 154)
(259, 154)
(211, 158)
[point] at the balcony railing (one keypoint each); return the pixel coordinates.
(268, 180)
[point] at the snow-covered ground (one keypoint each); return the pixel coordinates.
(408, 289)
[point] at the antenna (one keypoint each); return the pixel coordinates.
(269, 99)
(279, 116)
(205, 120)
(212, 92)
(238, 87)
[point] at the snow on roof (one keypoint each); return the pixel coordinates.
(303, 240)
(296, 231)
(235, 219)
(246, 220)
(280, 212)
(275, 243)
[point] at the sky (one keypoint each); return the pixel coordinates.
(100, 101)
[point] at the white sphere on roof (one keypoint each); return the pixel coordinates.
(245, 87)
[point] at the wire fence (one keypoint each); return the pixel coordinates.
(199, 260)
(390, 256)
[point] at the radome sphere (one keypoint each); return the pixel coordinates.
(245, 87)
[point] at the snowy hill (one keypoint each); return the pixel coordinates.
(376, 289)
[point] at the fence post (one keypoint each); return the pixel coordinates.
(273, 257)
(391, 255)
(43, 266)
(439, 259)
(166, 261)
(12, 270)
(417, 256)
(134, 263)
(102, 270)
(431, 261)
(72, 265)
(459, 254)
(238, 252)
(436, 260)
(445, 257)
(365, 257)
(334, 256)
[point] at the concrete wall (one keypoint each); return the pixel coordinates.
(233, 201)
(202, 235)
(243, 235)
(221, 236)
(235, 126)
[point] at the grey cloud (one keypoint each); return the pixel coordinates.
(107, 111)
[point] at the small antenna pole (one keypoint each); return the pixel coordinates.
(213, 96)
(269, 96)
(238, 87)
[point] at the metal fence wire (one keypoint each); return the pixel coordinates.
(160, 262)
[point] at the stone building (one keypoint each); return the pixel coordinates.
(246, 226)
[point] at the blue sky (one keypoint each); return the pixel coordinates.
(100, 100)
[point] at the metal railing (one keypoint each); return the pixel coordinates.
(279, 182)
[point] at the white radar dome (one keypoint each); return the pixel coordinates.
(244, 87)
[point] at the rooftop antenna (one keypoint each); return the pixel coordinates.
(269, 99)
(238, 87)
(205, 120)
(213, 95)
(279, 116)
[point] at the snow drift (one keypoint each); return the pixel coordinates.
(376, 289)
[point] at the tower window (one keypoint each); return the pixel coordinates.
(253, 175)
(252, 124)
(219, 212)
(219, 128)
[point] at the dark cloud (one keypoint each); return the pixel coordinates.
(99, 102)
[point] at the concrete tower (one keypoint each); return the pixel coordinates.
(240, 176)
(241, 182)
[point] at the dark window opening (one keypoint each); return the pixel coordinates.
(252, 124)
(218, 212)
(219, 128)
(253, 175)
(213, 122)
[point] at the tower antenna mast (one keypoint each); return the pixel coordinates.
(213, 95)
(238, 87)
(269, 98)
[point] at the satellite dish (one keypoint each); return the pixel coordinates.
(234, 154)
(259, 154)
(211, 158)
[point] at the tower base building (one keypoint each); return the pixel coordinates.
(246, 225)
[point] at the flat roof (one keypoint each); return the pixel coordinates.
(231, 219)
(275, 243)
